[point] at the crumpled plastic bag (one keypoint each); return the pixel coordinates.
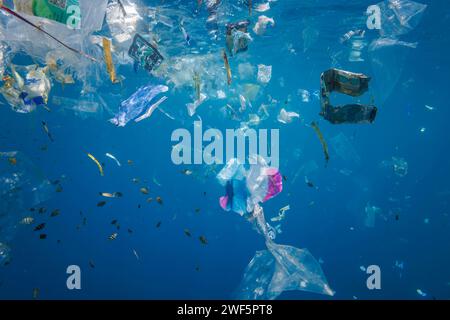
(137, 104)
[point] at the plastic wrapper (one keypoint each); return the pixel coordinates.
(261, 25)
(22, 186)
(398, 165)
(287, 116)
(145, 54)
(264, 73)
(400, 16)
(136, 105)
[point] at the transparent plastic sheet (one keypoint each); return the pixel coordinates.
(344, 148)
(20, 36)
(398, 165)
(371, 213)
(86, 106)
(137, 104)
(123, 22)
(279, 268)
(287, 116)
(22, 186)
(400, 16)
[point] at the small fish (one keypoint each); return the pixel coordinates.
(111, 195)
(149, 200)
(135, 254)
(139, 206)
(158, 224)
(101, 203)
(130, 231)
(109, 155)
(114, 221)
(39, 227)
(187, 172)
(100, 168)
(159, 200)
(59, 188)
(45, 127)
(113, 236)
(135, 180)
(197, 268)
(12, 161)
(55, 213)
(197, 210)
(144, 190)
(91, 264)
(203, 240)
(27, 220)
(130, 162)
(36, 292)
(43, 236)
(285, 178)
(187, 232)
(42, 210)
(156, 182)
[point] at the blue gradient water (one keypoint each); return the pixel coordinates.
(328, 221)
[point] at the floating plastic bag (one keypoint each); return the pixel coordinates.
(135, 105)
(192, 107)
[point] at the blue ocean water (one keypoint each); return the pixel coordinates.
(413, 224)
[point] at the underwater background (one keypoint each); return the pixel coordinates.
(409, 238)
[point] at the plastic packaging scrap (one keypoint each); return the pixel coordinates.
(287, 116)
(400, 16)
(151, 109)
(26, 88)
(192, 107)
(108, 60)
(371, 214)
(264, 73)
(398, 165)
(279, 268)
(261, 25)
(145, 54)
(237, 37)
(135, 105)
(322, 141)
(388, 42)
(22, 185)
(348, 83)
(83, 107)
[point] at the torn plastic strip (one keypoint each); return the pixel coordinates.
(108, 60)
(322, 141)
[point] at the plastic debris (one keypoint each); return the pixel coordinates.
(400, 16)
(371, 214)
(26, 88)
(264, 73)
(192, 107)
(100, 168)
(349, 83)
(227, 67)
(145, 54)
(281, 214)
(237, 38)
(398, 165)
(322, 141)
(150, 110)
(261, 25)
(134, 106)
(287, 116)
(108, 60)
(389, 42)
(421, 293)
(4, 254)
